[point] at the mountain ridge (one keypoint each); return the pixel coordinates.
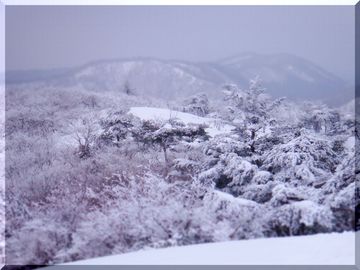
(282, 74)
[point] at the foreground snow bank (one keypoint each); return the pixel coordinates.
(215, 127)
(320, 249)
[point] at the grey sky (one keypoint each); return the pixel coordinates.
(48, 37)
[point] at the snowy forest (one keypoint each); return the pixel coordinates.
(94, 173)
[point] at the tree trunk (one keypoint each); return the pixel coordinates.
(252, 147)
(165, 154)
(252, 134)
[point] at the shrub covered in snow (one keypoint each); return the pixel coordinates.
(87, 178)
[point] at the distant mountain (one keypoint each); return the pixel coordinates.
(27, 76)
(163, 79)
(287, 75)
(282, 75)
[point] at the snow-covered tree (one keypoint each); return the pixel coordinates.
(305, 158)
(321, 118)
(197, 104)
(166, 134)
(117, 126)
(299, 218)
(86, 131)
(249, 109)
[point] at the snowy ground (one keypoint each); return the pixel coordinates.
(320, 249)
(215, 127)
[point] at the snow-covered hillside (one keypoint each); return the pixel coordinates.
(215, 126)
(283, 75)
(320, 249)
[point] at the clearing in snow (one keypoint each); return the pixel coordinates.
(215, 126)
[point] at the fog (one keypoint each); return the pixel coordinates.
(50, 37)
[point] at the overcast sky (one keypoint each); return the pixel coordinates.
(50, 37)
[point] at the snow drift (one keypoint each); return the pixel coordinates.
(320, 249)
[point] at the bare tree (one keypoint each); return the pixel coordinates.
(128, 89)
(85, 136)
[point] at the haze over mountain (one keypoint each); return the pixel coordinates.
(282, 75)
